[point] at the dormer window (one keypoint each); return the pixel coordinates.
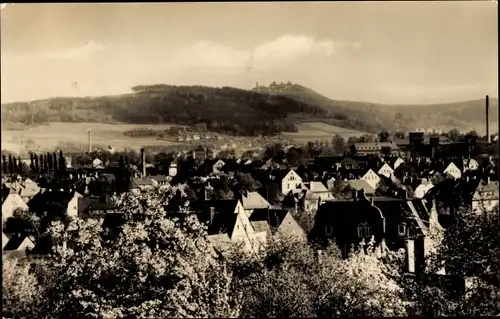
(402, 229)
(328, 230)
(364, 230)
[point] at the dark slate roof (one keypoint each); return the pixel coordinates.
(15, 242)
(274, 217)
(279, 174)
(88, 204)
(84, 206)
(43, 199)
(220, 206)
(222, 223)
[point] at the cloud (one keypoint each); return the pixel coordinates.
(276, 52)
(75, 53)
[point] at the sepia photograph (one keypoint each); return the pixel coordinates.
(250, 159)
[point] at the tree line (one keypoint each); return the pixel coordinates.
(39, 163)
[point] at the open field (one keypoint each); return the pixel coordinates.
(312, 131)
(74, 135)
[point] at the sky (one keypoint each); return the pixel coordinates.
(382, 52)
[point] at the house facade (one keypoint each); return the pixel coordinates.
(486, 196)
(371, 178)
(393, 223)
(10, 204)
(386, 170)
(453, 171)
(290, 181)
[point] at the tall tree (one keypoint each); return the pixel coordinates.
(11, 165)
(54, 162)
(20, 165)
(37, 163)
(383, 136)
(453, 134)
(15, 166)
(338, 144)
(5, 165)
(49, 161)
(62, 163)
(32, 163)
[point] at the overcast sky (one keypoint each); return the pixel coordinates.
(388, 52)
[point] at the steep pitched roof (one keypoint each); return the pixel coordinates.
(43, 199)
(359, 184)
(274, 217)
(260, 226)
(222, 223)
(488, 187)
(15, 242)
(253, 200)
(220, 206)
(316, 187)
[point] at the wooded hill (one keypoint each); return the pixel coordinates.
(464, 115)
(261, 111)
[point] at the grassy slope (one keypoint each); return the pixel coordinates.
(462, 115)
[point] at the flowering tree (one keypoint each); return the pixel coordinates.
(20, 289)
(470, 249)
(289, 279)
(147, 265)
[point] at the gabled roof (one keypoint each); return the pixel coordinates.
(386, 165)
(220, 206)
(273, 217)
(222, 223)
(489, 187)
(316, 187)
(253, 200)
(15, 242)
(52, 197)
(359, 184)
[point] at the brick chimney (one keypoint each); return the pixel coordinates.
(143, 162)
(212, 213)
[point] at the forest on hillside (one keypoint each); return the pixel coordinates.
(464, 115)
(224, 110)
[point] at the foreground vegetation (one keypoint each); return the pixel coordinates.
(153, 266)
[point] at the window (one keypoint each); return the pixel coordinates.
(361, 231)
(402, 229)
(364, 230)
(328, 230)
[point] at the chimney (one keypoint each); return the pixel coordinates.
(488, 119)
(143, 162)
(410, 255)
(90, 141)
(212, 213)
(354, 194)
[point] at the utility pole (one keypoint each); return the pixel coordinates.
(32, 113)
(90, 141)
